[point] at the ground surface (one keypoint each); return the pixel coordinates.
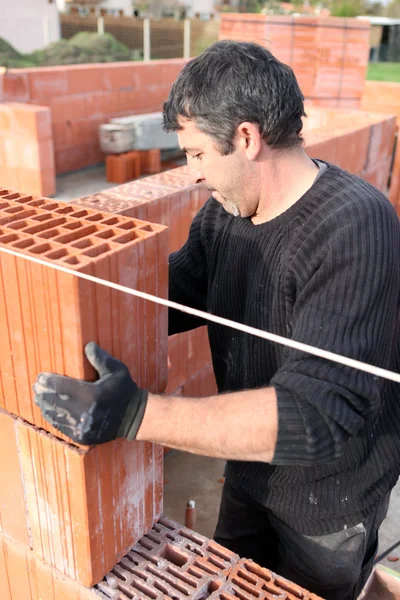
(189, 477)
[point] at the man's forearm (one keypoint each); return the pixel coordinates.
(238, 426)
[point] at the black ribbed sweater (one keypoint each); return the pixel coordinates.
(325, 272)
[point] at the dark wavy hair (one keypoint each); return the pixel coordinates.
(233, 82)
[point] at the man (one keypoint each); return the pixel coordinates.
(293, 246)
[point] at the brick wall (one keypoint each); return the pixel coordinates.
(81, 97)
(329, 55)
(384, 97)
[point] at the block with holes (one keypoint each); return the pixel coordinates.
(46, 316)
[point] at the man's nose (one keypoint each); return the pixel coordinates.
(195, 174)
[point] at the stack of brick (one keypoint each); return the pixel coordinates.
(124, 167)
(384, 97)
(329, 55)
(26, 148)
(171, 561)
(67, 510)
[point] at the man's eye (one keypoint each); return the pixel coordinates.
(198, 156)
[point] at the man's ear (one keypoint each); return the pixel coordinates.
(248, 137)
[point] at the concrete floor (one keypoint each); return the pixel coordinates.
(190, 477)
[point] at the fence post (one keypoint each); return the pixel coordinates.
(187, 38)
(100, 25)
(46, 30)
(146, 39)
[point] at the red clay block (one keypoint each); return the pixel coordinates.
(13, 518)
(150, 161)
(49, 316)
(24, 577)
(85, 529)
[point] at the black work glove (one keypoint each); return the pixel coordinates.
(93, 413)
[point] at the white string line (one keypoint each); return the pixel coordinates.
(272, 337)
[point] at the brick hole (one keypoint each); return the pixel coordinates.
(176, 584)
(23, 243)
(247, 577)
(50, 233)
(14, 209)
(97, 217)
(204, 567)
(18, 225)
(12, 196)
(288, 588)
(24, 200)
(111, 221)
(97, 250)
(165, 523)
(79, 214)
(22, 215)
(238, 594)
(73, 226)
(247, 588)
(135, 571)
(257, 570)
(191, 536)
(227, 596)
(142, 587)
(159, 585)
(45, 206)
(217, 562)
(128, 225)
(67, 238)
(146, 228)
(170, 536)
(127, 237)
(174, 555)
(41, 249)
(179, 575)
(7, 238)
(85, 243)
(4, 192)
(146, 544)
(194, 573)
(108, 233)
(271, 590)
(57, 254)
(145, 555)
(4, 205)
(72, 260)
(218, 551)
(41, 218)
(153, 537)
(66, 210)
(34, 229)
(35, 202)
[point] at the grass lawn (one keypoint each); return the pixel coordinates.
(384, 71)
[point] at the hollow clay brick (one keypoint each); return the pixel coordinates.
(48, 316)
(24, 577)
(13, 517)
(171, 561)
(86, 508)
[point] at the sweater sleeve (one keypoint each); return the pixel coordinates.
(188, 279)
(347, 274)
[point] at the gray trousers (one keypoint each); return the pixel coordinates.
(335, 566)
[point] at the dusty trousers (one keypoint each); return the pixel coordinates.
(334, 566)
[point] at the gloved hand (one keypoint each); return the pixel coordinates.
(93, 413)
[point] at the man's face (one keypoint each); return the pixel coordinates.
(230, 178)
